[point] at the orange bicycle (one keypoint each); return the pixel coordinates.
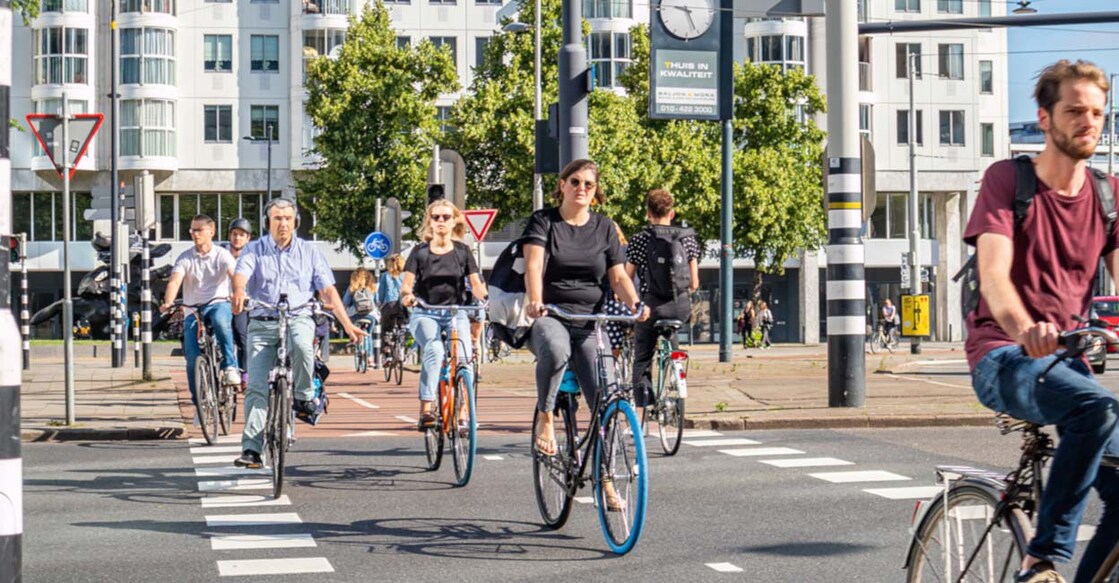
(455, 420)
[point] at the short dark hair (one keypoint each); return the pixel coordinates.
(205, 219)
(1047, 92)
(659, 203)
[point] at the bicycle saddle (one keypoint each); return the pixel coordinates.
(668, 324)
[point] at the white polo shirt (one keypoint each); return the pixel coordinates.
(205, 275)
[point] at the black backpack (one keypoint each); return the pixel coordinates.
(667, 275)
(1024, 192)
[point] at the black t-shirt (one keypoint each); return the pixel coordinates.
(440, 279)
(576, 258)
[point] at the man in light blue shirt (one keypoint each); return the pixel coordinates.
(281, 263)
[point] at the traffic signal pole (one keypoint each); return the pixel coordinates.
(115, 301)
(24, 309)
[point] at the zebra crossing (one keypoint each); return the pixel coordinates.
(237, 531)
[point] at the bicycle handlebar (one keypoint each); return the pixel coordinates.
(281, 306)
(1077, 342)
(449, 308)
(561, 313)
(180, 304)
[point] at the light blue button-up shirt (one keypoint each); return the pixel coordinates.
(299, 271)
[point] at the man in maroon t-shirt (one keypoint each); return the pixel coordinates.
(1034, 279)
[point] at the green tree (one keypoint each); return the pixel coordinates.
(375, 106)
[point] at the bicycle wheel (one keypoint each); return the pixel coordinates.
(227, 407)
(941, 550)
(464, 430)
(279, 413)
(670, 413)
(433, 436)
(552, 476)
(398, 361)
(619, 458)
(207, 399)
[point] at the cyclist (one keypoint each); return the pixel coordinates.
(1035, 277)
(890, 319)
(203, 272)
(281, 263)
(667, 259)
(359, 301)
(436, 272)
(583, 256)
(240, 233)
(393, 314)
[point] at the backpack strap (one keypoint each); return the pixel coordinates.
(1106, 194)
(1025, 189)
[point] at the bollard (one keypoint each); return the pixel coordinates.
(24, 312)
(377, 344)
(146, 305)
(136, 339)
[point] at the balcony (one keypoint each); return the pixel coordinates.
(866, 74)
(328, 7)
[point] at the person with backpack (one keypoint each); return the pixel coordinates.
(360, 301)
(436, 272)
(1037, 252)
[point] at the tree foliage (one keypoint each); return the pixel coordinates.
(375, 105)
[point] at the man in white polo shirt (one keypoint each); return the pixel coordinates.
(205, 273)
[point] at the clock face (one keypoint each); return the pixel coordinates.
(687, 19)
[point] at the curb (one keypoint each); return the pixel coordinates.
(59, 434)
(745, 423)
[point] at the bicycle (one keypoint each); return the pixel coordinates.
(394, 353)
(880, 339)
(363, 350)
(990, 514)
(497, 349)
(455, 414)
(217, 401)
(670, 390)
(619, 455)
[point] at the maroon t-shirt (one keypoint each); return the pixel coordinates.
(1056, 252)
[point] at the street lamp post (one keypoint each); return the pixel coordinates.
(515, 27)
(268, 178)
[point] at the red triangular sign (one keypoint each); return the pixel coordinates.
(479, 221)
(48, 130)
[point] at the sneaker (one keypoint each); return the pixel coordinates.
(231, 376)
(305, 407)
(249, 459)
(1042, 572)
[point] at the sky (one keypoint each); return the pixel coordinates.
(1031, 49)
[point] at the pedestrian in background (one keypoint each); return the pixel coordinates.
(765, 318)
(746, 324)
(360, 301)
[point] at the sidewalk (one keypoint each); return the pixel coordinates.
(785, 387)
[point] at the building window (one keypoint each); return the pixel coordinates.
(480, 43)
(443, 116)
(321, 43)
(217, 52)
(951, 60)
(902, 52)
(984, 7)
(64, 6)
(608, 9)
(952, 128)
(177, 210)
(771, 49)
(443, 2)
(987, 133)
(219, 123)
(986, 77)
(609, 55)
(335, 7)
(403, 42)
(890, 219)
(147, 56)
(450, 42)
(903, 127)
(39, 214)
(950, 6)
(907, 5)
(794, 48)
(61, 55)
(265, 53)
(160, 6)
(147, 127)
(262, 116)
(488, 2)
(866, 119)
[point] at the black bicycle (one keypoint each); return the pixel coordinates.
(394, 348)
(984, 533)
(670, 388)
(217, 401)
(620, 462)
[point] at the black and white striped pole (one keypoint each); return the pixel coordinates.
(11, 465)
(24, 310)
(136, 339)
(146, 304)
(846, 273)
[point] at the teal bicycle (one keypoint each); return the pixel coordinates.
(670, 388)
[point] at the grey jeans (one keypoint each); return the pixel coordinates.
(264, 339)
(555, 345)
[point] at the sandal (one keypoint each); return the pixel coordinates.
(545, 445)
(427, 421)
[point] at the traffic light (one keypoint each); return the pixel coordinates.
(435, 192)
(13, 245)
(392, 223)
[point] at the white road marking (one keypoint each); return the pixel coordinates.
(213, 459)
(495, 458)
(370, 434)
(244, 500)
(253, 519)
(760, 451)
(210, 449)
(722, 442)
(361, 402)
(229, 542)
(937, 362)
(214, 472)
(406, 419)
(241, 484)
(1085, 532)
(221, 439)
(725, 567)
(584, 499)
(807, 462)
(863, 476)
(689, 433)
(274, 567)
(908, 493)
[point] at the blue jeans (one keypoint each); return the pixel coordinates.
(264, 339)
(219, 317)
(1086, 415)
(426, 326)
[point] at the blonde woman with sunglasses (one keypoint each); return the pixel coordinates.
(436, 272)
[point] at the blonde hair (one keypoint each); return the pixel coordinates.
(362, 279)
(621, 236)
(1047, 92)
(458, 231)
(395, 264)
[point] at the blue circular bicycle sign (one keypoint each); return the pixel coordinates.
(378, 245)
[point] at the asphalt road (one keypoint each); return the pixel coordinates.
(362, 508)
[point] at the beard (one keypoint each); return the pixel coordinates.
(1068, 146)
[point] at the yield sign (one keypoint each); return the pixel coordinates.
(48, 130)
(479, 221)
